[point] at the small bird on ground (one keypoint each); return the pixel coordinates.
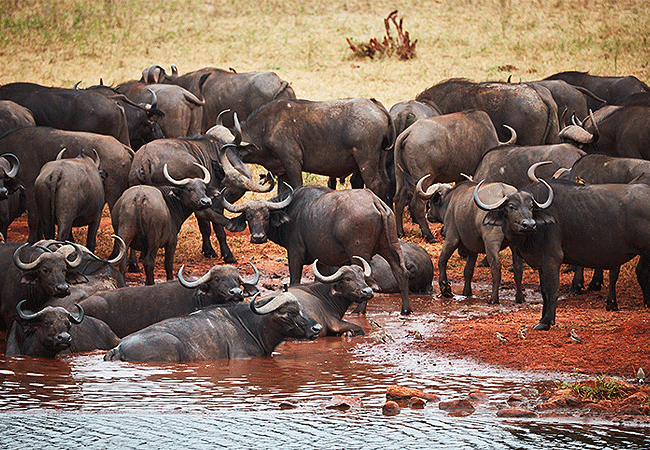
(575, 337)
(374, 324)
(640, 375)
(521, 334)
(500, 337)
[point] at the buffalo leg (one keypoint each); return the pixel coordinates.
(596, 280)
(170, 249)
(549, 281)
(447, 250)
(400, 200)
(611, 304)
(468, 273)
(643, 277)
(226, 253)
(91, 237)
(578, 282)
(417, 207)
(518, 271)
(206, 245)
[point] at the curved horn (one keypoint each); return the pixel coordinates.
(237, 177)
(575, 120)
(272, 305)
(469, 177)
(60, 155)
(69, 248)
(14, 166)
(238, 133)
(229, 206)
(206, 173)
(174, 70)
(577, 134)
(429, 192)
(367, 270)
(192, 284)
(513, 136)
(154, 98)
(274, 206)
(549, 200)
(220, 117)
(77, 320)
(484, 206)
(531, 170)
(23, 315)
(94, 156)
(76, 85)
(27, 266)
(326, 278)
(121, 254)
(182, 182)
(256, 275)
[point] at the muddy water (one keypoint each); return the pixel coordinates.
(83, 400)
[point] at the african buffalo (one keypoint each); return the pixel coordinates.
(624, 131)
(333, 138)
(464, 230)
(53, 331)
(600, 226)
(444, 147)
(316, 222)
(328, 299)
(183, 111)
(610, 89)
(70, 109)
(531, 111)
(148, 218)
(182, 155)
(14, 116)
(133, 308)
(11, 205)
(418, 264)
(406, 113)
(34, 146)
(242, 330)
(70, 193)
(242, 93)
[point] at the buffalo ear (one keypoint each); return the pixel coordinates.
(29, 277)
(236, 224)
(175, 193)
(103, 174)
(495, 218)
(279, 218)
(436, 200)
(543, 218)
(212, 192)
(13, 185)
(74, 277)
(250, 289)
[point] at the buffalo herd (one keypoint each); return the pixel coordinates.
(556, 170)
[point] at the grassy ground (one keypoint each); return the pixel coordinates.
(59, 42)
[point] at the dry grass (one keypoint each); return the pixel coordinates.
(59, 42)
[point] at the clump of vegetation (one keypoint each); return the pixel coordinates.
(604, 389)
(400, 47)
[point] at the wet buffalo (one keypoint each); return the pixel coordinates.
(465, 231)
(11, 205)
(600, 226)
(328, 299)
(316, 222)
(53, 331)
(418, 264)
(133, 308)
(242, 330)
(70, 193)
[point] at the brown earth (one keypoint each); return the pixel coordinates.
(615, 343)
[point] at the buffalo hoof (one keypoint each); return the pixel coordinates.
(445, 289)
(229, 259)
(611, 306)
(431, 239)
(209, 253)
(493, 302)
(542, 326)
(406, 312)
(520, 299)
(594, 286)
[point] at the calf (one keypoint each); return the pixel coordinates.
(148, 218)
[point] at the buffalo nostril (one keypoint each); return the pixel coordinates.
(236, 292)
(528, 224)
(206, 202)
(258, 238)
(367, 292)
(317, 328)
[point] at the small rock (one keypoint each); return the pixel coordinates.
(516, 400)
(555, 402)
(417, 403)
(635, 399)
(390, 408)
(476, 394)
(516, 412)
(397, 393)
(287, 405)
(342, 403)
(461, 404)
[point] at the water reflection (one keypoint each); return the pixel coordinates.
(236, 404)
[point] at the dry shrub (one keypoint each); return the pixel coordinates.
(400, 47)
